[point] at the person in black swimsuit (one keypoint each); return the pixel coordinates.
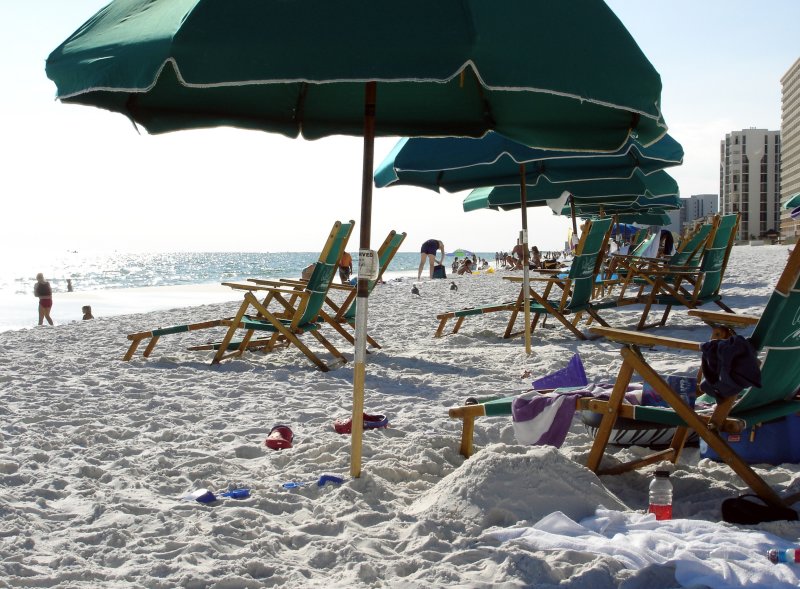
(428, 251)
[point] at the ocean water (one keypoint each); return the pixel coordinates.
(95, 271)
(125, 283)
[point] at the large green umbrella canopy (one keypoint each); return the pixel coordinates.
(359, 67)
(587, 192)
(464, 163)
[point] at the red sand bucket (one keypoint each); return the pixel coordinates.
(279, 437)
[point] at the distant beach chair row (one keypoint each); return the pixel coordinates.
(288, 310)
(691, 277)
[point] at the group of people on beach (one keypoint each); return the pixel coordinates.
(536, 258)
(44, 292)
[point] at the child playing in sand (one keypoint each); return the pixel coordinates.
(87, 312)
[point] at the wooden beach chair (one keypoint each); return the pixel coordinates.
(641, 272)
(577, 287)
(776, 336)
(337, 315)
(297, 312)
(670, 287)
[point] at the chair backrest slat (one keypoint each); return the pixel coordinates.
(324, 270)
(583, 271)
(777, 336)
(715, 257)
(691, 248)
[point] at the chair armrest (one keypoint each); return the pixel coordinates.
(265, 287)
(624, 336)
(277, 283)
(725, 319)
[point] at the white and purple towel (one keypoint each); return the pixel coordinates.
(544, 419)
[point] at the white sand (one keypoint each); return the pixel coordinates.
(96, 453)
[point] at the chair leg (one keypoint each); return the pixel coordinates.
(132, 349)
(724, 307)
(665, 315)
(458, 324)
(149, 349)
(442, 323)
(610, 417)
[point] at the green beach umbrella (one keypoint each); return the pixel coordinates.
(587, 192)
(367, 68)
(460, 163)
(792, 203)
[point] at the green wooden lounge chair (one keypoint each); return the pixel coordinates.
(337, 315)
(642, 272)
(297, 312)
(776, 337)
(669, 287)
(577, 287)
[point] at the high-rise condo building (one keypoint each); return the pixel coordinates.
(750, 180)
(790, 150)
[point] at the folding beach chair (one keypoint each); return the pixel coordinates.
(776, 337)
(297, 312)
(337, 315)
(669, 287)
(642, 272)
(577, 287)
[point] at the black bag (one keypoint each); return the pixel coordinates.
(438, 271)
(751, 509)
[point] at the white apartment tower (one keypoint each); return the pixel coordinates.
(750, 180)
(790, 156)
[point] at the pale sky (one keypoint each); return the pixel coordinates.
(80, 178)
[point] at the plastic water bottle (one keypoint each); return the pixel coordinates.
(791, 555)
(661, 495)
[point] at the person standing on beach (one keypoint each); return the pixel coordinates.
(428, 251)
(44, 293)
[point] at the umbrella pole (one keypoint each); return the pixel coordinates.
(572, 212)
(362, 288)
(526, 278)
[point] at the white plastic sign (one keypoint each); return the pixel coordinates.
(368, 264)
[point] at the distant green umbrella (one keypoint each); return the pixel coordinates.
(464, 163)
(371, 68)
(793, 202)
(589, 192)
(461, 253)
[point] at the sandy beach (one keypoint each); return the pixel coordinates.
(96, 455)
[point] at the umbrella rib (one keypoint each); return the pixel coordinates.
(299, 106)
(488, 118)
